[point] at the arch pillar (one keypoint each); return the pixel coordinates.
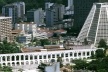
(19, 59)
(24, 59)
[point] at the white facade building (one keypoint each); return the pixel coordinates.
(27, 27)
(42, 35)
(96, 24)
(18, 59)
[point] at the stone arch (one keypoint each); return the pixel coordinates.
(27, 62)
(31, 62)
(17, 63)
(36, 62)
(22, 57)
(13, 58)
(26, 57)
(67, 59)
(22, 63)
(4, 64)
(71, 59)
(17, 57)
(13, 63)
(75, 54)
(3, 58)
(8, 64)
(45, 61)
(31, 57)
(8, 58)
(84, 57)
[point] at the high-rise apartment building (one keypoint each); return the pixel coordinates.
(54, 14)
(48, 5)
(81, 11)
(95, 27)
(36, 16)
(5, 28)
(27, 27)
(14, 10)
(70, 3)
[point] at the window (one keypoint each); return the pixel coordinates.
(62, 55)
(70, 53)
(83, 53)
(53, 56)
(87, 53)
(79, 54)
(35, 57)
(75, 54)
(66, 55)
(31, 57)
(49, 56)
(40, 57)
(57, 55)
(44, 56)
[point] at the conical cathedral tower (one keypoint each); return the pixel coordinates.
(96, 24)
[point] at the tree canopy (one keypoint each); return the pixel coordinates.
(5, 69)
(100, 53)
(80, 64)
(99, 64)
(102, 44)
(7, 47)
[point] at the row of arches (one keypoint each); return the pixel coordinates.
(37, 58)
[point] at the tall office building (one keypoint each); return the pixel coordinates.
(36, 16)
(70, 3)
(54, 14)
(96, 24)
(48, 5)
(14, 10)
(81, 11)
(5, 28)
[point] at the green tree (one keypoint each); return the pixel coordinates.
(102, 44)
(102, 70)
(59, 1)
(92, 55)
(7, 69)
(42, 66)
(45, 42)
(59, 59)
(55, 35)
(100, 53)
(80, 64)
(7, 47)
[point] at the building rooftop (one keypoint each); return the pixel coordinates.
(26, 23)
(3, 17)
(16, 31)
(40, 48)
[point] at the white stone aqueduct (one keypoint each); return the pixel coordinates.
(18, 59)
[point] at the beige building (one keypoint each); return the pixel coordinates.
(5, 28)
(27, 27)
